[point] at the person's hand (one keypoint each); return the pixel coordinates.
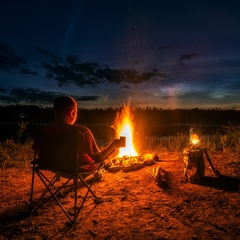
(117, 143)
(121, 142)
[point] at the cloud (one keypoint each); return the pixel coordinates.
(86, 98)
(36, 96)
(24, 70)
(187, 57)
(8, 100)
(70, 70)
(8, 58)
(78, 77)
(169, 46)
(32, 95)
(3, 90)
(47, 54)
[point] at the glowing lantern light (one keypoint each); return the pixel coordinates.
(195, 139)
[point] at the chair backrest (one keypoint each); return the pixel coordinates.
(58, 152)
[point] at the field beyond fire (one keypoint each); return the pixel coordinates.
(134, 206)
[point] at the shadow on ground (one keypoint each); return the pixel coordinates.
(221, 182)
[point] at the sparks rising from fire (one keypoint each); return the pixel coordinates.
(125, 128)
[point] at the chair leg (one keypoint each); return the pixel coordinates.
(88, 186)
(32, 189)
(75, 180)
(49, 187)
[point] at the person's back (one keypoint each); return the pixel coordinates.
(65, 109)
(73, 137)
(57, 150)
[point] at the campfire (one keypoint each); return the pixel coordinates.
(128, 158)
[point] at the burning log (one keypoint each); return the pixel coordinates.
(132, 167)
(114, 168)
(131, 163)
(150, 159)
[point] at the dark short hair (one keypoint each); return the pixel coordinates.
(63, 104)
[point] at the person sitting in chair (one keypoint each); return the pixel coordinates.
(65, 110)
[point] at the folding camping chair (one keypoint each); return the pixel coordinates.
(58, 155)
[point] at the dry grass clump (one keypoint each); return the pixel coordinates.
(15, 154)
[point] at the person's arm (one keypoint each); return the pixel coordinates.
(106, 152)
(94, 152)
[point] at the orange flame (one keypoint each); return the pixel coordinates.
(195, 139)
(125, 128)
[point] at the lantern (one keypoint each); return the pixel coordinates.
(193, 160)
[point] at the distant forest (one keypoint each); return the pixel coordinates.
(148, 115)
(148, 121)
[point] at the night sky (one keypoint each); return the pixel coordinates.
(105, 53)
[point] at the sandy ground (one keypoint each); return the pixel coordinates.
(134, 206)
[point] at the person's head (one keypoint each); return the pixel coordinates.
(65, 109)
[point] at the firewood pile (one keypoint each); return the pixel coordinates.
(131, 163)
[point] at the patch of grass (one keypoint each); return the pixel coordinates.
(15, 154)
(225, 140)
(164, 144)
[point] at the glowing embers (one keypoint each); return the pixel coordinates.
(129, 163)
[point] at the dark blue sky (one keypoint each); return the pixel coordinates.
(167, 54)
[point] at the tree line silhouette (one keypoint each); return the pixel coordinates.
(148, 120)
(148, 115)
